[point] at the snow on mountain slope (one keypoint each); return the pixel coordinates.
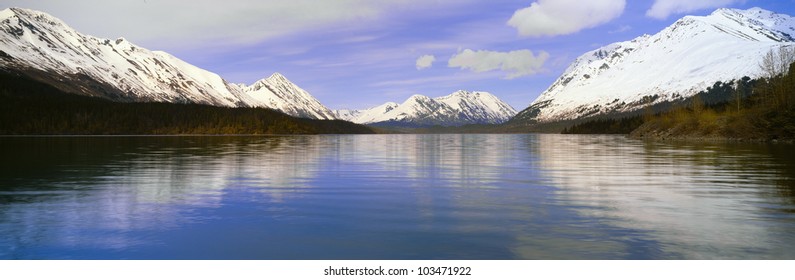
(684, 58)
(41, 46)
(279, 93)
(373, 114)
(346, 114)
(480, 107)
(37, 40)
(458, 108)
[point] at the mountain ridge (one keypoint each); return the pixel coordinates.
(456, 109)
(41, 46)
(673, 64)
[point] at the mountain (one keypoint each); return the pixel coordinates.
(369, 115)
(279, 93)
(37, 45)
(346, 114)
(681, 60)
(30, 107)
(459, 108)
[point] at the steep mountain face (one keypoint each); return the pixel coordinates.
(43, 47)
(458, 108)
(681, 60)
(278, 92)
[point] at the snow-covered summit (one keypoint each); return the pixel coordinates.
(280, 93)
(679, 61)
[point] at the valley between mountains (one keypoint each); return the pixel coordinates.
(733, 64)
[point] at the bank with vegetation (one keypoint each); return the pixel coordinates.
(743, 110)
(28, 107)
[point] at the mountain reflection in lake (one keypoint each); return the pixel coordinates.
(393, 197)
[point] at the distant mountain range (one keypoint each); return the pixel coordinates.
(37, 45)
(459, 108)
(681, 60)
(676, 63)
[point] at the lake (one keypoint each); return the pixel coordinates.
(534, 196)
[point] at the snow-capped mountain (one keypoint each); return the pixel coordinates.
(458, 108)
(43, 47)
(369, 115)
(681, 60)
(278, 92)
(346, 114)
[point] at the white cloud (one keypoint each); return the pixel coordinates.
(661, 9)
(425, 61)
(201, 22)
(516, 63)
(559, 17)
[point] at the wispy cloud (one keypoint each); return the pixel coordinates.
(440, 80)
(661, 9)
(176, 22)
(620, 29)
(358, 39)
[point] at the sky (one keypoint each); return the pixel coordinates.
(356, 54)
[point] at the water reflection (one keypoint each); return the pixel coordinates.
(696, 201)
(392, 197)
(93, 192)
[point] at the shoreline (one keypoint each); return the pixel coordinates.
(670, 137)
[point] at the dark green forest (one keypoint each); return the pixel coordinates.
(29, 107)
(606, 126)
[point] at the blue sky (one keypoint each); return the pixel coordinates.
(361, 53)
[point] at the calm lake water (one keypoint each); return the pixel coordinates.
(394, 197)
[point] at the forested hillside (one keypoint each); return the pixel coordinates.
(28, 107)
